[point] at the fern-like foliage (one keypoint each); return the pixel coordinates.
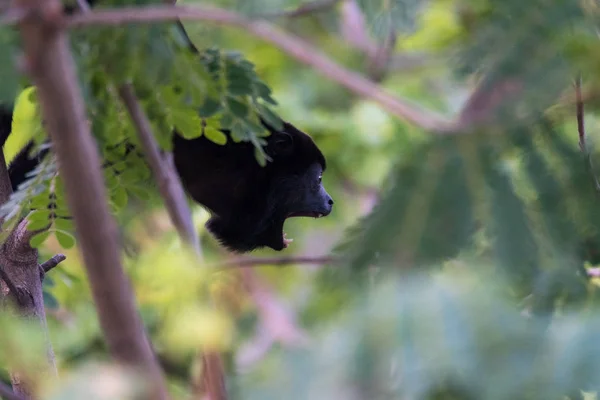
(525, 198)
(193, 94)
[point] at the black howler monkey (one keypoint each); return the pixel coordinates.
(248, 203)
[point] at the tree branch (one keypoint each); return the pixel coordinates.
(279, 261)
(305, 9)
(163, 170)
(19, 271)
(53, 262)
(7, 393)
(581, 130)
(213, 382)
(292, 45)
(580, 115)
(49, 63)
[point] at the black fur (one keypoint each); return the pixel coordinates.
(250, 203)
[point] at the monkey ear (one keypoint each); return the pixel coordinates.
(281, 144)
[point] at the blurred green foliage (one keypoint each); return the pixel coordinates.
(463, 257)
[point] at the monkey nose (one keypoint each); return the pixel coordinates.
(330, 204)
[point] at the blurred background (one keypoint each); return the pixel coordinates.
(459, 261)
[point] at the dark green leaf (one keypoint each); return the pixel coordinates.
(210, 107)
(237, 108)
(270, 117)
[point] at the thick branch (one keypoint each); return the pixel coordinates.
(291, 44)
(20, 274)
(51, 67)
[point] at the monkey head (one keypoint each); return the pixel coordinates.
(249, 204)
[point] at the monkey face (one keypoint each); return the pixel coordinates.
(301, 195)
(288, 196)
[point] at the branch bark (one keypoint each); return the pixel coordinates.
(279, 261)
(7, 394)
(49, 63)
(292, 45)
(20, 275)
(163, 169)
(302, 10)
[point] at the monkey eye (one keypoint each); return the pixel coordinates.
(320, 178)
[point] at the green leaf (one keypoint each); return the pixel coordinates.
(64, 224)
(187, 122)
(239, 88)
(215, 135)
(39, 238)
(260, 157)
(119, 197)
(239, 80)
(65, 239)
(40, 215)
(134, 173)
(238, 133)
(210, 107)
(237, 108)
(139, 192)
(38, 224)
(264, 92)
(519, 190)
(270, 117)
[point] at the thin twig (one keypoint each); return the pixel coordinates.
(173, 195)
(277, 323)
(83, 5)
(163, 171)
(581, 130)
(580, 116)
(52, 263)
(279, 261)
(292, 45)
(8, 394)
(303, 10)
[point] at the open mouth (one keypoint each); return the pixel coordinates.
(311, 214)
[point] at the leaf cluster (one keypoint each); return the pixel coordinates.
(192, 94)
